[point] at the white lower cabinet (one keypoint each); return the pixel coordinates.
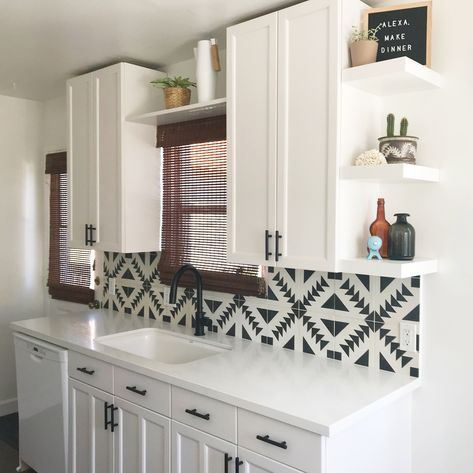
(110, 435)
(194, 451)
(141, 440)
(90, 445)
(254, 463)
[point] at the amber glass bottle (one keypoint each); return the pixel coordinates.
(380, 227)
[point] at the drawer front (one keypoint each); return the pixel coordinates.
(91, 371)
(285, 443)
(147, 392)
(204, 413)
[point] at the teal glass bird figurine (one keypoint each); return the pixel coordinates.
(374, 245)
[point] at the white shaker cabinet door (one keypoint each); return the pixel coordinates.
(308, 57)
(194, 451)
(251, 136)
(107, 90)
(90, 444)
(255, 463)
(81, 162)
(142, 443)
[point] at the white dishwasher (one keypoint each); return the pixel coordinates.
(41, 373)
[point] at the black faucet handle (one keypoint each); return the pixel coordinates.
(207, 321)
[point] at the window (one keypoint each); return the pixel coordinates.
(70, 272)
(194, 207)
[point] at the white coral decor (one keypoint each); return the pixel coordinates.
(371, 157)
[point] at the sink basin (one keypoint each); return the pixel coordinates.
(162, 346)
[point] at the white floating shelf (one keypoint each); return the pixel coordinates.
(182, 114)
(397, 173)
(391, 77)
(388, 268)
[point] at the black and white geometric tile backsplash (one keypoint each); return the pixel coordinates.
(347, 317)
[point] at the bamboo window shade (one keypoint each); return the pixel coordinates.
(194, 228)
(69, 269)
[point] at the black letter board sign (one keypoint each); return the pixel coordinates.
(405, 31)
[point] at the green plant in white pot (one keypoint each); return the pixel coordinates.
(177, 92)
(364, 46)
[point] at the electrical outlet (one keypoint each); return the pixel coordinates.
(111, 286)
(408, 335)
(166, 292)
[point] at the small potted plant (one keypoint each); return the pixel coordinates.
(177, 92)
(401, 148)
(364, 46)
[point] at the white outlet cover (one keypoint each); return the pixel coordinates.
(408, 336)
(166, 292)
(111, 286)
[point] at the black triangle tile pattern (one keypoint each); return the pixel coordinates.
(351, 318)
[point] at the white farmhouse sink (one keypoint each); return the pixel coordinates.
(162, 346)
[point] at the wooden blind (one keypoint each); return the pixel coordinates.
(69, 269)
(195, 207)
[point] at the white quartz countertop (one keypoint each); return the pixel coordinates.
(320, 395)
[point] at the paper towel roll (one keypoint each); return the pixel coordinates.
(206, 76)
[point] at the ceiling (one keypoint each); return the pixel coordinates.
(44, 42)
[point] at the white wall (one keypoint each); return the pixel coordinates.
(442, 214)
(21, 238)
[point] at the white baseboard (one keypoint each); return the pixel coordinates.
(8, 406)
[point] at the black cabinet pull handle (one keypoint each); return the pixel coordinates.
(228, 459)
(238, 462)
(113, 424)
(105, 415)
(277, 254)
(267, 253)
(110, 422)
(194, 412)
(265, 438)
(135, 390)
(86, 371)
(92, 230)
(89, 235)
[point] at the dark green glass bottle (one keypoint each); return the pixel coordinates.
(401, 239)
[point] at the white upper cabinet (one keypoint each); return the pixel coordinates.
(252, 136)
(282, 131)
(80, 159)
(307, 134)
(113, 165)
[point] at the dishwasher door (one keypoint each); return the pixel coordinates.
(41, 371)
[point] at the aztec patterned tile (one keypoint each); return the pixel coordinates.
(347, 317)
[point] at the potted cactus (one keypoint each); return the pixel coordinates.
(177, 92)
(398, 148)
(364, 46)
